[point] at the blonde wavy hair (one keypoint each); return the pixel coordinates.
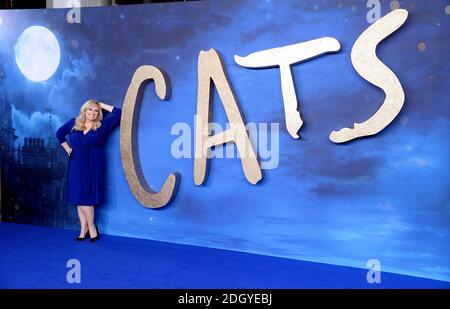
(81, 119)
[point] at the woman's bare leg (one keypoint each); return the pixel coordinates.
(89, 213)
(83, 222)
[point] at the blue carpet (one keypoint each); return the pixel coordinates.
(36, 257)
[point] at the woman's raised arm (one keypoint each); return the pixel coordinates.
(107, 107)
(113, 119)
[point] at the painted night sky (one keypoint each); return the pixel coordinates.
(386, 197)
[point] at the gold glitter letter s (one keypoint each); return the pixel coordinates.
(366, 63)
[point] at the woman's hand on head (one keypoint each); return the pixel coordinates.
(107, 107)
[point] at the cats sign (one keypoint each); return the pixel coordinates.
(210, 68)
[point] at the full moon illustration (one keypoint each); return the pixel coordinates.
(37, 53)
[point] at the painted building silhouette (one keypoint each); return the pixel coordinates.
(32, 174)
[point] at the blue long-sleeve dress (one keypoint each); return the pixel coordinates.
(86, 169)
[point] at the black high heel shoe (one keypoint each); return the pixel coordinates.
(84, 237)
(94, 239)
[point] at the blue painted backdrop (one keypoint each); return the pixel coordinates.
(385, 197)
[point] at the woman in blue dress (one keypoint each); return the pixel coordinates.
(86, 137)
